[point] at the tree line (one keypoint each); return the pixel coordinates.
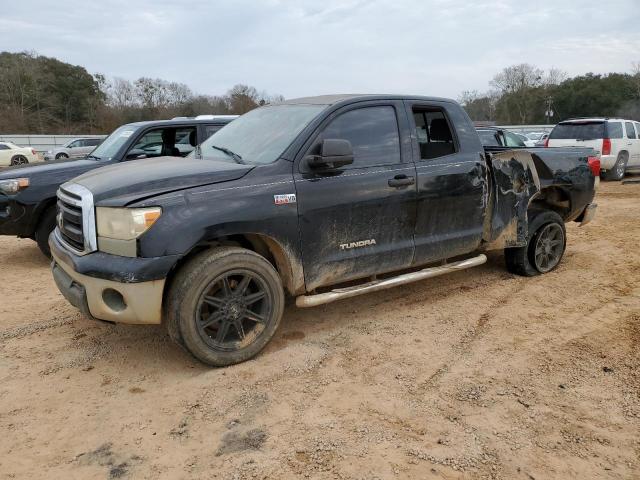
(42, 95)
(525, 94)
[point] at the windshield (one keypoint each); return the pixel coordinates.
(110, 146)
(578, 131)
(260, 136)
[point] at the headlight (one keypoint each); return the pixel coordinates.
(14, 185)
(125, 223)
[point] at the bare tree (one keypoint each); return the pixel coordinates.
(516, 82)
(554, 76)
(242, 98)
(120, 93)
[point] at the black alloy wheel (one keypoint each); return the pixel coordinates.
(233, 310)
(549, 247)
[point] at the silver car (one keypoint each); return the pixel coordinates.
(76, 148)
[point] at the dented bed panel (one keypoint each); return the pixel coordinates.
(515, 182)
(557, 176)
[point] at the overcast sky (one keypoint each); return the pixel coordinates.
(309, 47)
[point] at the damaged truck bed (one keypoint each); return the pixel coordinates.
(525, 178)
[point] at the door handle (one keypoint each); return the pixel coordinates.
(401, 181)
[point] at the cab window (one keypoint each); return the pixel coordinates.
(433, 133)
(373, 133)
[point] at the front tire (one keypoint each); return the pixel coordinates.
(62, 156)
(225, 305)
(44, 229)
(546, 244)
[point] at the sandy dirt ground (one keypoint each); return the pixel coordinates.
(480, 374)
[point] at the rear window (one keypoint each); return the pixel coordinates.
(614, 130)
(578, 131)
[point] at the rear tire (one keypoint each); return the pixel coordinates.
(45, 227)
(619, 169)
(19, 160)
(547, 240)
(224, 305)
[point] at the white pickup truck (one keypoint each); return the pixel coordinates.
(615, 140)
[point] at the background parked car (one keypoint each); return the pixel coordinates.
(499, 137)
(525, 139)
(12, 154)
(535, 136)
(77, 148)
(28, 193)
(615, 140)
(542, 142)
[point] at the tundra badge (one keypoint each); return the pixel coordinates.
(284, 199)
(361, 243)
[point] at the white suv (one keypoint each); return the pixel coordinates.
(615, 140)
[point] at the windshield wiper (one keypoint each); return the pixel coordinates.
(233, 155)
(93, 156)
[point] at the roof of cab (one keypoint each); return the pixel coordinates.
(183, 121)
(351, 97)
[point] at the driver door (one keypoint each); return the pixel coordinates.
(358, 220)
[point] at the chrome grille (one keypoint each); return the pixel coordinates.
(76, 218)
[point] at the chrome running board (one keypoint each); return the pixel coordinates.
(376, 285)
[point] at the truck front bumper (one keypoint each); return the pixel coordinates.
(114, 299)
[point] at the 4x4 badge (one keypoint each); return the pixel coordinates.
(284, 199)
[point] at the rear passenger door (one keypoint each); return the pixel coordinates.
(633, 144)
(358, 220)
(452, 182)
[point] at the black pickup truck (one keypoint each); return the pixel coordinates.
(320, 198)
(28, 193)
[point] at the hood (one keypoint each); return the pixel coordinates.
(122, 183)
(47, 172)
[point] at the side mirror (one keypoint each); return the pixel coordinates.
(334, 153)
(135, 154)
